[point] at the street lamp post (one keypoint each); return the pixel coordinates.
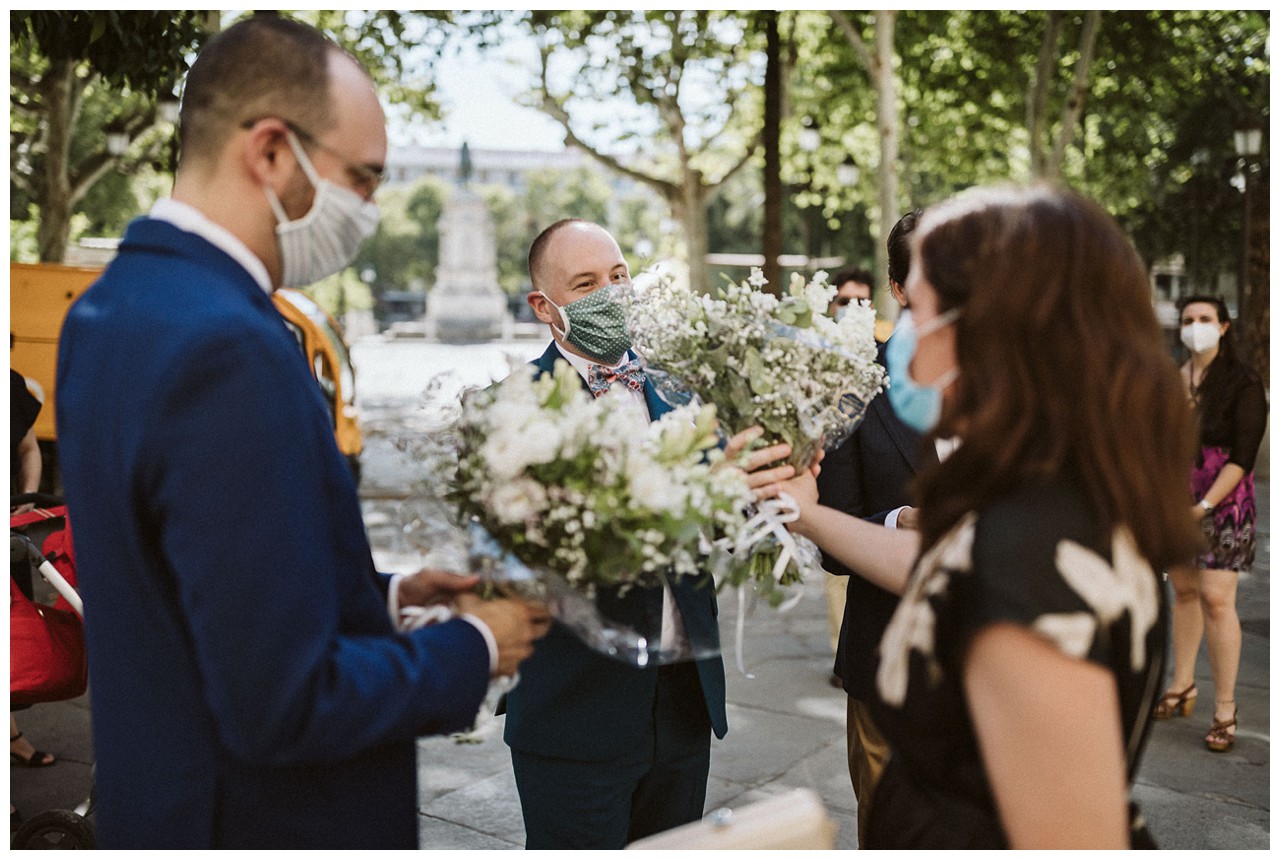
(1248, 142)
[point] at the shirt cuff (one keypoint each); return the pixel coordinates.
(489, 639)
(393, 607)
(891, 521)
(393, 599)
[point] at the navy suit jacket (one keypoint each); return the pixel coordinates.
(575, 703)
(248, 688)
(869, 476)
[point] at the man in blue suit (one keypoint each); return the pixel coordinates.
(603, 752)
(250, 688)
(870, 476)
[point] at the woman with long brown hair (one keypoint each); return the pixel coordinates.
(1232, 407)
(1017, 677)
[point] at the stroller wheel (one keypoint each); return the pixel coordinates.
(55, 829)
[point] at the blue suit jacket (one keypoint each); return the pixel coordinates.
(869, 476)
(575, 703)
(248, 688)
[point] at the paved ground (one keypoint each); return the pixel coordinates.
(786, 723)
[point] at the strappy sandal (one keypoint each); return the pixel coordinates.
(1219, 739)
(38, 758)
(1176, 704)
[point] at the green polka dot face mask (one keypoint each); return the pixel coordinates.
(596, 325)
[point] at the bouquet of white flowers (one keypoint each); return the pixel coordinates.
(573, 486)
(781, 363)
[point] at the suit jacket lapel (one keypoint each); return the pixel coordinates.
(657, 406)
(546, 363)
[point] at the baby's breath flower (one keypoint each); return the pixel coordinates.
(777, 362)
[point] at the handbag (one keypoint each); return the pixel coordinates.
(47, 660)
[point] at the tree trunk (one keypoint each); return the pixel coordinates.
(886, 80)
(773, 87)
(1075, 99)
(53, 193)
(1038, 95)
(690, 207)
(1255, 310)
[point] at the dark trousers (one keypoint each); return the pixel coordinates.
(660, 784)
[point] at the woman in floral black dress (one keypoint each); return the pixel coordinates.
(1232, 407)
(1017, 677)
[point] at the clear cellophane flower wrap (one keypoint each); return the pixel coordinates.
(777, 362)
(551, 494)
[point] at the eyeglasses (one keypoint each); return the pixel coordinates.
(365, 178)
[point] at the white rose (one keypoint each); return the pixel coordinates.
(651, 487)
(542, 438)
(507, 454)
(518, 501)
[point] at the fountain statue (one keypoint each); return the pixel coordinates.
(466, 303)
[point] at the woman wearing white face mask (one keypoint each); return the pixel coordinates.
(1232, 407)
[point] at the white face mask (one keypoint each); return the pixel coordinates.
(1200, 336)
(326, 239)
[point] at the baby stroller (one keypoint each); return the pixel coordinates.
(46, 644)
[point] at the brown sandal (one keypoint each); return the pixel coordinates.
(1219, 739)
(1176, 704)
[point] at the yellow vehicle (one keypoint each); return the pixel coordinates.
(40, 295)
(326, 350)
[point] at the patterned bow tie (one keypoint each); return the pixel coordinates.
(599, 377)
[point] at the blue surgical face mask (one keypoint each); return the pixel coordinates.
(919, 406)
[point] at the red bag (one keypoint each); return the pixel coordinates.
(46, 651)
(47, 661)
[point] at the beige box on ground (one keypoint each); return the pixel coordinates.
(795, 820)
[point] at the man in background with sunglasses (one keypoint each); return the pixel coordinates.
(250, 687)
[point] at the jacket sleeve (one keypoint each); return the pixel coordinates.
(259, 529)
(1249, 423)
(840, 487)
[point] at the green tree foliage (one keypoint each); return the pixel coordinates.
(1152, 139)
(73, 75)
(404, 253)
(77, 75)
(520, 215)
(686, 86)
(399, 49)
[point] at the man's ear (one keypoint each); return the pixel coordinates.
(542, 308)
(267, 155)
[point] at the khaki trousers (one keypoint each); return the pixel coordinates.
(836, 587)
(868, 752)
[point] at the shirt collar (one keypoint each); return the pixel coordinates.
(186, 217)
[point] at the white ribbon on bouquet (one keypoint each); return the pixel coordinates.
(771, 518)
